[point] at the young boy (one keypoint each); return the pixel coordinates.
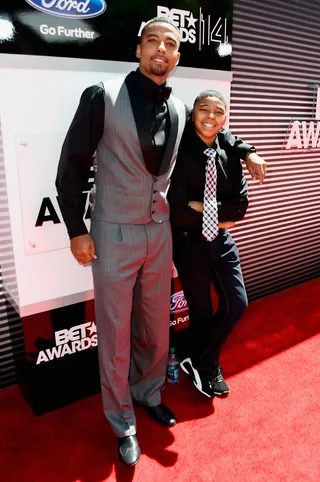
(208, 195)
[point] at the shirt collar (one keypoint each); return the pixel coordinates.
(196, 141)
(145, 85)
(145, 82)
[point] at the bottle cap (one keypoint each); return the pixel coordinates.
(172, 350)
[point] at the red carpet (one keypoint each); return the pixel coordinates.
(267, 430)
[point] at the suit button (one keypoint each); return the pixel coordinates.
(153, 202)
(154, 192)
(152, 212)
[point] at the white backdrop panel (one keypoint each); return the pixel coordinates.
(37, 104)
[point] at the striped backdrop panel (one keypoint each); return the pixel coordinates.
(11, 334)
(276, 65)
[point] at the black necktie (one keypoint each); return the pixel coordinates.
(159, 95)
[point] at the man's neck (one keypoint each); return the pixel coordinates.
(159, 80)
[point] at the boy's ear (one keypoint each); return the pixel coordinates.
(192, 115)
(138, 51)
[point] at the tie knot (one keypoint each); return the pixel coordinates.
(210, 152)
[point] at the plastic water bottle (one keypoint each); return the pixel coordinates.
(173, 367)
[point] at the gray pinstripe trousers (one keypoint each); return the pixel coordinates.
(132, 278)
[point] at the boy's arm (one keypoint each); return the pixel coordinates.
(235, 208)
(256, 166)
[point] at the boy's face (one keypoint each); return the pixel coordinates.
(209, 115)
(158, 51)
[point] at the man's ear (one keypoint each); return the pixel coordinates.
(192, 115)
(178, 59)
(138, 51)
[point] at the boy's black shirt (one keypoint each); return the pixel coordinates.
(188, 180)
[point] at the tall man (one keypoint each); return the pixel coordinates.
(135, 127)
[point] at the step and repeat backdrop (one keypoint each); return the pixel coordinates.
(275, 105)
(108, 29)
(50, 51)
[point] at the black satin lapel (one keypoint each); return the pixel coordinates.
(174, 123)
(143, 129)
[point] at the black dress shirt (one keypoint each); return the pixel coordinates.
(85, 134)
(188, 181)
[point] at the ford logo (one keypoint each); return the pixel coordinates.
(70, 8)
(178, 302)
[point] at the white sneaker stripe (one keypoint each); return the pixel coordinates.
(197, 382)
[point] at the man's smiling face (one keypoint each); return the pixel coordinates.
(158, 51)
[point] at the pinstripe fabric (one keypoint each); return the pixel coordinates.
(132, 274)
(127, 253)
(11, 334)
(120, 165)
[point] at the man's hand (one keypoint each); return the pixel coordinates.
(196, 205)
(83, 249)
(256, 166)
(226, 224)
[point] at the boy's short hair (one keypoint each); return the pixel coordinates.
(210, 93)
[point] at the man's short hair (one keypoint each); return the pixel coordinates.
(160, 20)
(209, 93)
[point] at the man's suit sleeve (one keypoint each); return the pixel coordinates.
(233, 144)
(78, 148)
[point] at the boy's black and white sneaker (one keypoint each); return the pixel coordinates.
(218, 383)
(201, 380)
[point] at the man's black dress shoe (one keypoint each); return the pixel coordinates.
(128, 450)
(161, 414)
